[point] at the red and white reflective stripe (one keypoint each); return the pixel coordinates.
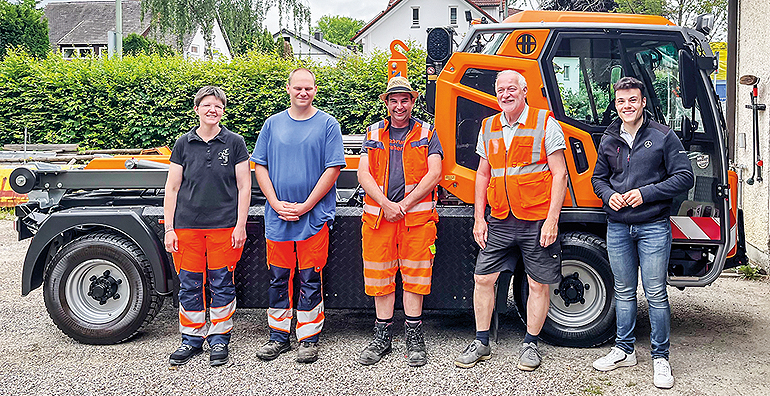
(683, 227)
(733, 245)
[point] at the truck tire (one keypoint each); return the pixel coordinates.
(98, 289)
(577, 324)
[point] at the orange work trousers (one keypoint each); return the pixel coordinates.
(206, 256)
(309, 258)
(393, 247)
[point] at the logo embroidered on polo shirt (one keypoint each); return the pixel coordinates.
(648, 144)
(224, 157)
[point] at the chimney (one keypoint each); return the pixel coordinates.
(318, 35)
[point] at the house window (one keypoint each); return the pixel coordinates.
(194, 50)
(415, 17)
(566, 72)
(76, 52)
(453, 15)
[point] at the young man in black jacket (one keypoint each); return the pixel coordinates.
(641, 167)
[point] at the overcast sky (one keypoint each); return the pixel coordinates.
(357, 9)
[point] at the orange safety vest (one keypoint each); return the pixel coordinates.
(415, 165)
(520, 178)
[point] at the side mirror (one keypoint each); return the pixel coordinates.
(685, 133)
(688, 83)
(616, 73)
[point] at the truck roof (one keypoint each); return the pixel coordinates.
(586, 17)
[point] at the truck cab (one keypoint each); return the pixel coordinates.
(571, 61)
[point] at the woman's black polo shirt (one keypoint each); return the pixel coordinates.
(208, 196)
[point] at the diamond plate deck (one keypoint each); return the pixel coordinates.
(343, 276)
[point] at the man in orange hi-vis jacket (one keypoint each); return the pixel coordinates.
(523, 175)
(399, 169)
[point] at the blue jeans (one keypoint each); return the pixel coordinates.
(645, 246)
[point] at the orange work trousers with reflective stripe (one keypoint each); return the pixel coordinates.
(309, 257)
(206, 257)
(393, 247)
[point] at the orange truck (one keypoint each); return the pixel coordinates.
(96, 233)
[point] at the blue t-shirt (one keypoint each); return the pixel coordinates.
(296, 153)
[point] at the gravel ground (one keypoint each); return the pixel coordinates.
(718, 347)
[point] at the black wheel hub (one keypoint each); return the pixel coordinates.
(571, 290)
(104, 287)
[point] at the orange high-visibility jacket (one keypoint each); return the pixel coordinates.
(415, 165)
(520, 178)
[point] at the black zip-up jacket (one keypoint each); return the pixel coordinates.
(657, 165)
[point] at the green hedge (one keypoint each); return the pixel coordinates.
(146, 101)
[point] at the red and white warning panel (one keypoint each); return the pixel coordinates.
(703, 228)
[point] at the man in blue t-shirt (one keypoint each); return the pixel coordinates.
(298, 158)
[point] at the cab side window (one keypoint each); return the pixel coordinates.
(585, 69)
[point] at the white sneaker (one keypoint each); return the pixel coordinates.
(662, 377)
(616, 358)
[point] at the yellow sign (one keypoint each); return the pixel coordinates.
(8, 197)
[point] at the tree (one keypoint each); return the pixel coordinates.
(241, 20)
(23, 26)
(681, 12)
(685, 12)
(649, 7)
(339, 29)
(135, 44)
(579, 5)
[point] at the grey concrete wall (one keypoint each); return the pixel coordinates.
(753, 55)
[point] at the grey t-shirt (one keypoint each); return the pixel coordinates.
(396, 181)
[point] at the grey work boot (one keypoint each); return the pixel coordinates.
(380, 345)
(415, 344)
(472, 354)
(530, 358)
(307, 352)
(272, 349)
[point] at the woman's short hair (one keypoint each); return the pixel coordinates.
(210, 90)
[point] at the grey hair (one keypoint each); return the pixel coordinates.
(520, 77)
(210, 90)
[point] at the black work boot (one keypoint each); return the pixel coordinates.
(219, 355)
(380, 345)
(184, 354)
(415, 344)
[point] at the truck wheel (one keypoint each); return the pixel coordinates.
(582, 312)
(98, 289)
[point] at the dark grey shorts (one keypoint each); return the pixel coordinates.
(512, 240)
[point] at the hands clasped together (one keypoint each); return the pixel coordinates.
(632, 198)
(291, 211)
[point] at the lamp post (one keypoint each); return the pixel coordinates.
(119, 28)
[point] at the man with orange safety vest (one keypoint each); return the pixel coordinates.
(399, 169)
(297, 159)
(522, 174)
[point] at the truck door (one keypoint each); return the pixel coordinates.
(465, 92)
(579, 71)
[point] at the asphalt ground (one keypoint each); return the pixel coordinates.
(719, 346)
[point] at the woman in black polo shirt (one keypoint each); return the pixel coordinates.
(205, 208)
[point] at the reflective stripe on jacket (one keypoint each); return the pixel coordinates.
(415, 165)
(520, 178)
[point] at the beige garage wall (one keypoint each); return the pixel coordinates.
(754, 58)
